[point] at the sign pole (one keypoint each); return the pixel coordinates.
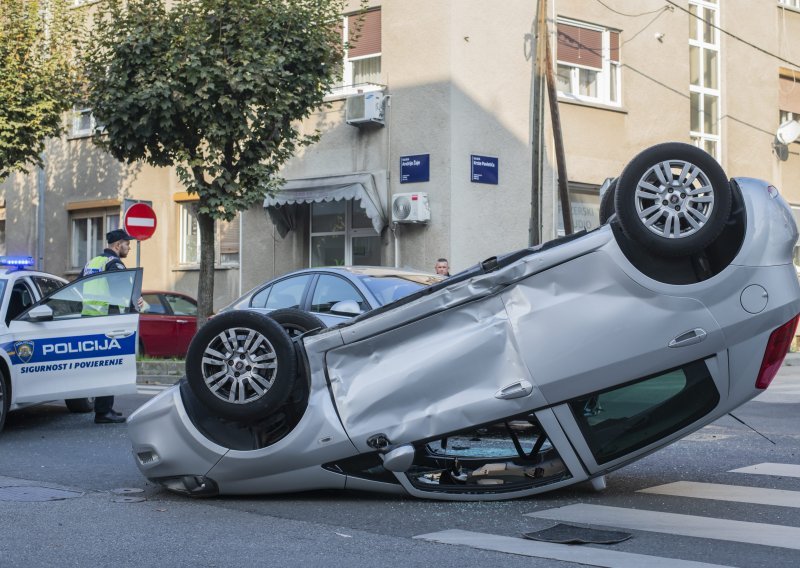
(138, 252)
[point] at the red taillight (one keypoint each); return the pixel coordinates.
(777, 347)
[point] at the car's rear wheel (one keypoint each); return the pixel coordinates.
(296, 322)
(241, 365)
(5, 400)
(81, 405)
(674, 199)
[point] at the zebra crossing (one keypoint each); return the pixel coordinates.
(151, 389)
(778, 537)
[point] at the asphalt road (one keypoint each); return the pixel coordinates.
(48, 448)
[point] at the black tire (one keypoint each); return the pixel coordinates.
(141, 348)
(229, 352)
(5, 400)
(81, 405)
(607, 203)
(674, 199)
(296, 322)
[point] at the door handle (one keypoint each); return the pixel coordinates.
(119, 333)
(689, 338)
(182, 321)
(517, 389)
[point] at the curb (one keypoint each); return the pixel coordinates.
(167, 372)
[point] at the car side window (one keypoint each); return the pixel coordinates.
(21, 299)
(331, 290)
(47, 285)
(259, 299)
(287, 293)
(154, 305)
(103, 294)
(181, 306)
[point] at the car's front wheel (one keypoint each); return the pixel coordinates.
(241, 365)
(81, 405)
(296, 322)
(674, 199)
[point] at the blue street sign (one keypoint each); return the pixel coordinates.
(414, 169)
(484, 169)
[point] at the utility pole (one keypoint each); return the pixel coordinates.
(558, 138)
(543, 75)
(538, 41)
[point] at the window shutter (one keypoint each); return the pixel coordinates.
(229, 236)
(789, 94)
(368, 39)
(614, 38)
(579, 46)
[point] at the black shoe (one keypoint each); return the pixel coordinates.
(114, 412)
(110, 417)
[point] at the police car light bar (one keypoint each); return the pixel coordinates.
(16, 260)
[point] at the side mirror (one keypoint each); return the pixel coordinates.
(346, 308)
(40, 313)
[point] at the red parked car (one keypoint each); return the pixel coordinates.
(168, 324)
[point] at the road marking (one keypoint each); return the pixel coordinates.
(671, 523)
(735, 493)
(586, 555)
(776, 469)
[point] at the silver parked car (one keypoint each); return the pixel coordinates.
(531, 371)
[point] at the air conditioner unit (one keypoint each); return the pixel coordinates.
(410, 208)
(364, 108)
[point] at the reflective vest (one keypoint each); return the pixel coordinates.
(96, 294)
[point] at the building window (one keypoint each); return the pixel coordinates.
(790, 3)
(362, 61)
(226, 238)
(789, 96)
(88, 230)
(83, 122)
(704, 64)
(588, 67)
(342, 234)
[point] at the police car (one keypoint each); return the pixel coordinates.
(53, 347)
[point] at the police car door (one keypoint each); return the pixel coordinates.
(78, 342)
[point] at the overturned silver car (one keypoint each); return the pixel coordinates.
(534, 370)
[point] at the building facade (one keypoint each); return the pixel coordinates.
(452, 87)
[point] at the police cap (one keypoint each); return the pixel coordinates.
(118, 235)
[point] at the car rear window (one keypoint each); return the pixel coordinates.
(387, 289)
(618, 421)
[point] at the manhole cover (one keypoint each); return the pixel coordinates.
(31, 493)
(128, 499)
(127, 490)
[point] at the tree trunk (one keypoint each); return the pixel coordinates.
(205, 285)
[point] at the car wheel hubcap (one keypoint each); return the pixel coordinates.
(674, 199)
(239, 365)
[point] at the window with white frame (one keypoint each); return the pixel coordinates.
(704, 65)
(789, 97)
(342, 234)
(83, 122)
(362, 61)
(790, 3)
(88, 230)
(226, 238)
(588, 67)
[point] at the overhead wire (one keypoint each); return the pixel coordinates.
(734, 36)
(606, 6)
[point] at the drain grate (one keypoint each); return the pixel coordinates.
(33, 493)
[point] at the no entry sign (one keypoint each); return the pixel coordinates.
(140, 221)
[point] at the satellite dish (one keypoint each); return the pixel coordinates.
(788, 132)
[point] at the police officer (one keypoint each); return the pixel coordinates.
(119, 243)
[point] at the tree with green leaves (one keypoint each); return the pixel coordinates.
(214, 88)
(37, 77)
